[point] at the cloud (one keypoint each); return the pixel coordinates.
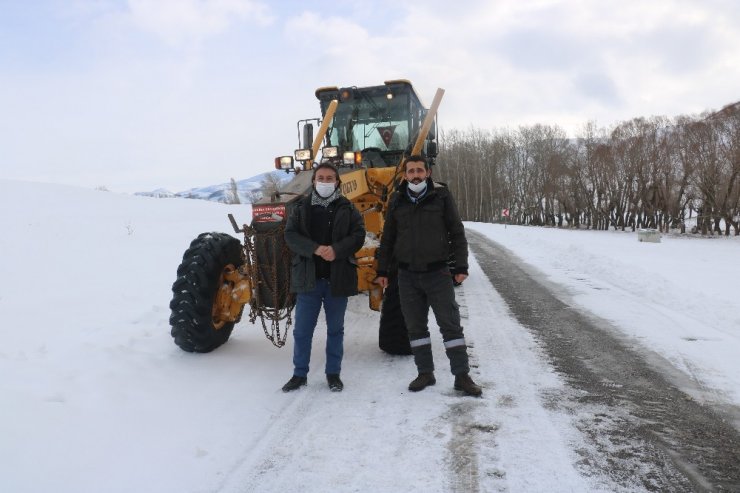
(597, 86)
(161, 87)
(540, 50)
(345, 50)
(182, 21)
(680, 50)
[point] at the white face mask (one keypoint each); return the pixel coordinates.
(418, 187)
(325, 189)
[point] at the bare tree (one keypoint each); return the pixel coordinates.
(645, 172)
(271, 185)
(726, 124)
(232, 197)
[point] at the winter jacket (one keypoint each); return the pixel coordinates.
(420, 236)
(348, 236)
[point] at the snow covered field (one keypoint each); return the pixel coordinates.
(678, 298)
(96, 396)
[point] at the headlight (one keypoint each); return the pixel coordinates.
(284, 162)
(346, 93)
(348, 158)
(330, 152)
(303, 154)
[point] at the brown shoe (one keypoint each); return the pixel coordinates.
(465, 383)
(422, 381)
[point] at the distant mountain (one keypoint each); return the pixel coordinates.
(247, 189)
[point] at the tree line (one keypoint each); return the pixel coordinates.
(643, 173)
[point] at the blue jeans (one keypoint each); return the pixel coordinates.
(307, 309)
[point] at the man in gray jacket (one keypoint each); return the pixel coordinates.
(324, 231)
(421, 226)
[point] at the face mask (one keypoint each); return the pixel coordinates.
(325, 189)
(418, 187)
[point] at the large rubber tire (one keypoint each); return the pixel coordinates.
(393, 337)
(194, 292)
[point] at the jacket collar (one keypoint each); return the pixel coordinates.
(307, 200)
(403, 190)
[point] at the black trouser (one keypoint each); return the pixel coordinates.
(418, 292)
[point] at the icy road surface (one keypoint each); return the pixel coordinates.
(97, 397)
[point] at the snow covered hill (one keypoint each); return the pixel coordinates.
(96, 396)
(222, 192)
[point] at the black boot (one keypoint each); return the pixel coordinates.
(335, 384)
(465, 383)
(422, 381)
(294, 383)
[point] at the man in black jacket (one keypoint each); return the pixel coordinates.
(324, 231)
(422, 227)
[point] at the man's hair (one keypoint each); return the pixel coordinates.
(325, 166)
(416, 158)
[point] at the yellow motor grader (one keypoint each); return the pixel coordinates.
(365, 132)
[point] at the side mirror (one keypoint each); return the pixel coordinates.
(307, 136)
(431, 149)
(432, 135)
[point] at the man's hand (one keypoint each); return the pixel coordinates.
(329, 254)
(382, 280)
(326, 252)
(459, 278)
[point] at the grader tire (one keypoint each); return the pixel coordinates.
(194, 292)
(393, 336)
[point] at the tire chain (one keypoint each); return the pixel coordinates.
(255, 272)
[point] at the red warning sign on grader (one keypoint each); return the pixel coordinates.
(268, 213)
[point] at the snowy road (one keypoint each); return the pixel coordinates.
(377, 436)
(626, 398)
(566, 407)
(97, 397)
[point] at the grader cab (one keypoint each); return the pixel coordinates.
(365, 132)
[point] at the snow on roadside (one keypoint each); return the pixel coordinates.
(677, 298)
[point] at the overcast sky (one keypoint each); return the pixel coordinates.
(141, 94)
